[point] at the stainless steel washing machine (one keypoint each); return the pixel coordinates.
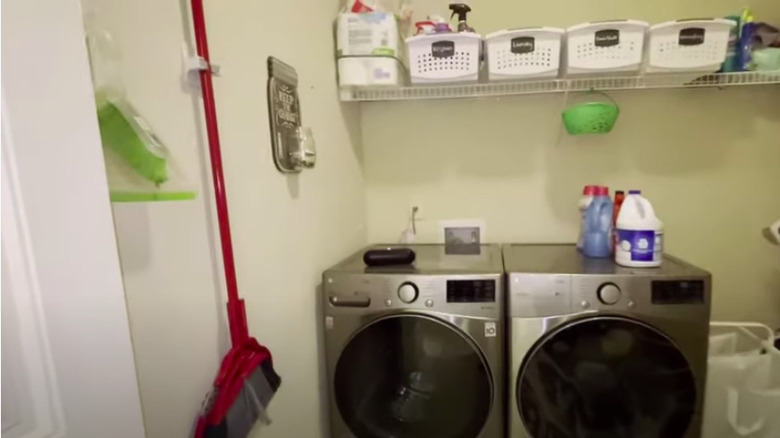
(417, 351)
(598, 350)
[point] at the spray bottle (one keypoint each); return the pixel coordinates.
(462, 10)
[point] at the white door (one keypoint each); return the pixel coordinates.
(67, 359)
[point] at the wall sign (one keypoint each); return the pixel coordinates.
(293, 146)
(443, 49)
(607, 38)
(522, 45)
(692, 36)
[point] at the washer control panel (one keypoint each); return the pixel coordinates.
(543, 295)
(540, 295)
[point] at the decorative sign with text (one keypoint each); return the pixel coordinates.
(284, 114)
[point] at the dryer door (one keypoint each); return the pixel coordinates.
(606, 377)
(412, 376)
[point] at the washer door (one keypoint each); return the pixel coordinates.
(412, 376)
(606, 377)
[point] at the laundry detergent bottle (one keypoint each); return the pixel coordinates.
(640, 234)
(597, 236)
(588, 193)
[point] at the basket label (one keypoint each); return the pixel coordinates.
(607, 38)
(692, 36)
(522, 45)
(443, 49)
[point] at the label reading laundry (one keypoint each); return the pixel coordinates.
(443, 49)
(644, 246)
(522, 45)
(692, 36)
(607, 38)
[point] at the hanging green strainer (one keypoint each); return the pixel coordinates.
(591, 117)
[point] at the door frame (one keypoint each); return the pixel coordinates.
(69, 349)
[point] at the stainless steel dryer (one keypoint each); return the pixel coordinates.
(416, 351)
(597, 350)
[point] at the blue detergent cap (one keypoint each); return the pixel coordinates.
(634, 192)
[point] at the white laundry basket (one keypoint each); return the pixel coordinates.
(742, 397)
(605, 47)
(447, 57)
(689, 45)
(524, 53)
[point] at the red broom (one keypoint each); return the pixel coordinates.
(246, 380)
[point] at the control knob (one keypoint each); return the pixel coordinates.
(407, 293)
(609, 294)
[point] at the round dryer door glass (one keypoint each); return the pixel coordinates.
(606, 377)
(412, 376)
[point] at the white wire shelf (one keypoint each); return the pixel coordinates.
(496, 89)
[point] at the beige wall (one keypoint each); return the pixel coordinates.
(286, 229)
(496, 159)
(707, 159)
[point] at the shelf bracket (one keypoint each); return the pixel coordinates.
(194, 64)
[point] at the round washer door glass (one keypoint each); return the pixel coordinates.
(606, 377)
(412, 376)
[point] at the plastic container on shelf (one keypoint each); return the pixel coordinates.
(698, 45)
(367, 49)
(639, 233)
(527, 53)
(444, 57)
(605, 47)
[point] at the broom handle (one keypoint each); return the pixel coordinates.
(236, 311)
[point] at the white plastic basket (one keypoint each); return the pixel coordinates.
(524, 53)
(742, 396)
(449, 57)
(689, 45)
(605, 46)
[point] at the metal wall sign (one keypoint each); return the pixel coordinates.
(293, 145)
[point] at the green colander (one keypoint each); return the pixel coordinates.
(591, 117)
